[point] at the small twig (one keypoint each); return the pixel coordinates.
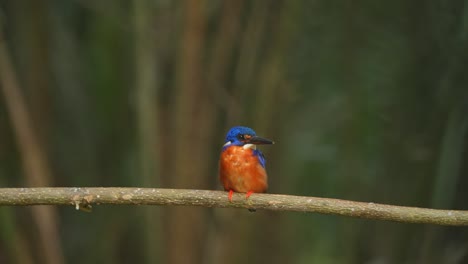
(84, 197)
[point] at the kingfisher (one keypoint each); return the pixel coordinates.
(242, 165)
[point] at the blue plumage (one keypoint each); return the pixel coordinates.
(237, 136)
(233, 134)
(260, 157)
(241, 165)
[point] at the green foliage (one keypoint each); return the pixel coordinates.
(366, 101)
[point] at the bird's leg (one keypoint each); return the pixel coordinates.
(247, 195)
(230, 195)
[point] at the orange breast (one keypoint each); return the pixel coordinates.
(241, 171)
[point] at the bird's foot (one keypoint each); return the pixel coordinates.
(247, 195)
(230, 195)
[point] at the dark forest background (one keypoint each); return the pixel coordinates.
(366, 100)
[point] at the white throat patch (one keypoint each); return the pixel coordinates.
(246, 146)
(251, 146)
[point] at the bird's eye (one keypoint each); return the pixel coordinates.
(240, 136)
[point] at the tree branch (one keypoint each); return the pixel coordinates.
(84, 197)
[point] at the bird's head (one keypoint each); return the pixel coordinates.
(246, 137)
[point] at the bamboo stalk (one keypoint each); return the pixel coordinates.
(34, 160)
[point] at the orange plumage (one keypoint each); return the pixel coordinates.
(241, 165)
(241, 171)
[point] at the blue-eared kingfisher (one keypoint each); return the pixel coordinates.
(242, 165)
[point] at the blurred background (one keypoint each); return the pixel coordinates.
(366, 100)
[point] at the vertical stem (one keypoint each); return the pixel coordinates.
(251, 40)
(146, 76)
(33, 157)
(192, 122)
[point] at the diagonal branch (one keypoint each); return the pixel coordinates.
(84, 197)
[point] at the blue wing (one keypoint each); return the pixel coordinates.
(260, 157)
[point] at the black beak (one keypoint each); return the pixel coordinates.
(259, 141)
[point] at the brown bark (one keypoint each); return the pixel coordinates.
(84, 197)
